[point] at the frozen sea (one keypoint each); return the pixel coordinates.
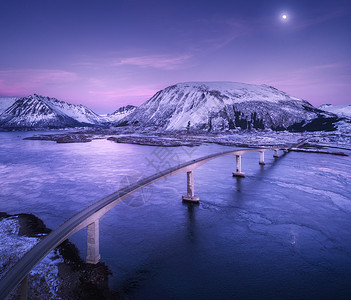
(282, 232)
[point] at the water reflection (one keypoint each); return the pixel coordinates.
(191, 221)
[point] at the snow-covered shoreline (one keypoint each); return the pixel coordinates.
(256, 138)
(60, 275)
(44, 277)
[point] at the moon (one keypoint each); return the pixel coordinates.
(284, 17)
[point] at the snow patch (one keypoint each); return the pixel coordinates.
(13, 247)
(340, 110)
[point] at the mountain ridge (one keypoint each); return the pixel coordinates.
(197, 106)
(340, 110)
(38, 111)
(218, 106)
(119, 113)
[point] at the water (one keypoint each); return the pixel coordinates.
(282, 232)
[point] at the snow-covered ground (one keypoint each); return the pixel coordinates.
(43, 278)
(340, 110)
(340, 138)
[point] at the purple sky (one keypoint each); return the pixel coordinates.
(105, 54)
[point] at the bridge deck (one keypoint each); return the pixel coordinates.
(87, 216)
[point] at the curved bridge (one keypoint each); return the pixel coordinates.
(89, 217)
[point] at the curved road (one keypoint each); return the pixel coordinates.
(87, 216)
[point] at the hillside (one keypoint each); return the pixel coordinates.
(218, 106)
(37, 111)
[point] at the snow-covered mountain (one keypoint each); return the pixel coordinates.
(39, 112)
(217, 106)
(119, 114)
(6, 102)
(340, 110)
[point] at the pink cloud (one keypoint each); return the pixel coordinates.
(135, 92)
(163, 62)
(27, 81)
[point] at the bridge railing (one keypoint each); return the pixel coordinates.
(89, 217)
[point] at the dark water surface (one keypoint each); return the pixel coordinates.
(282, 232)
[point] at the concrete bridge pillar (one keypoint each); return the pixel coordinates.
(190, 188)
(238, 172)
(93, 251)
(261, 162)
(275, 153)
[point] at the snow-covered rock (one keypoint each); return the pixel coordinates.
(6, 102)
(218, 106)
(340, 110)
(119, 114)
(13, 247)
(37, 111)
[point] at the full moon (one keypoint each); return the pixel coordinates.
(284, 17)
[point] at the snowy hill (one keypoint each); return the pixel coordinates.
(340, 110)
(119, 114)
(218, 106)
(6, 102)
(39, 112)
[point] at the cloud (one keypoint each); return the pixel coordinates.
(208, 35)
(163, 62)
(26, 81)
(126, 95)
(228, 31)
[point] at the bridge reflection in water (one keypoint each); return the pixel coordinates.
(89, 217)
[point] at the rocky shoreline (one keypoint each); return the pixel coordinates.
(75, 279)
(177, 139)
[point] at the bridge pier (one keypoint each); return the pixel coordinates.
(261, 162)
(93, 251)
(275, 153)
(190, 197)
(286, 150)
(238, 172)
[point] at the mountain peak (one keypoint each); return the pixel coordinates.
(39, 111)
(217, 106)
(120, 113)
(124, 109)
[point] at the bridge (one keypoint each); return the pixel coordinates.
(89, 217)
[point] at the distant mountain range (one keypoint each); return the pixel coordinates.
(120, 113)
(195, 106)
(37, 111)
